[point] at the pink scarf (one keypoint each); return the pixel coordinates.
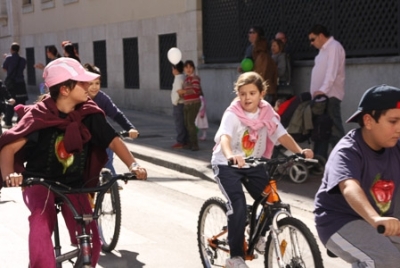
(264, 119)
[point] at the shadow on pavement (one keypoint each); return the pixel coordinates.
(125, 259)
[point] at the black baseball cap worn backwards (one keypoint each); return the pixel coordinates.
(382, 97)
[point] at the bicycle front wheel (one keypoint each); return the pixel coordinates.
(297, 245)
(109, 221)
(212, 233)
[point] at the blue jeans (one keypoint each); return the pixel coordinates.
(109, 163)
(230, 182)
(321, 147)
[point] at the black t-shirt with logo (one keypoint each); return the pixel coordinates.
(46, 156)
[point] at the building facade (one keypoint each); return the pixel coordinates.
(129, 41)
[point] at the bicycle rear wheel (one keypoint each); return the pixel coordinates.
(297, 245)
(212, 233)
(109, 221)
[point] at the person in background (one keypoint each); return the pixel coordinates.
(283, 65)
(14, 65)
(327, 78)
(182, 137)
(110, 109)
(279, 57)
(51, 53)
(201, 121)
(255, 32)
(361, 183)
(286, 47)
(265, 66)
(191, 95)
(70, 51)
(249, 128)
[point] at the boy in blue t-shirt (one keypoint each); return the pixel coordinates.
(361, 180)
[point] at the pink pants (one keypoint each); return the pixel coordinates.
(40, 202)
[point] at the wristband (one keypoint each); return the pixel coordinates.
(133, 165)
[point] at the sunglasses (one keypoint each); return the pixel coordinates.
(312, 40)
(252, 32)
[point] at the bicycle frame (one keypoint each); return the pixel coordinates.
(83, 252)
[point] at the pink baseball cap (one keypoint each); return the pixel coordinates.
(63, 69)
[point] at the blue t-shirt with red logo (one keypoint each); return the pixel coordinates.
(377, 171)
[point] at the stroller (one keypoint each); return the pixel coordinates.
(297, 171)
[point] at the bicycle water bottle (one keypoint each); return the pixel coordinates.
(271, 191)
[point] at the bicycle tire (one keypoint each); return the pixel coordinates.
(310, 255)
(213, 221)
(109, 221)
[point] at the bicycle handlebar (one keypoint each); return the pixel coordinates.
(381, 229)
(253, 161)
(125, 134)
(61, 188)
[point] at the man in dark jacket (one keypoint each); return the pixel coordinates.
(14, 65)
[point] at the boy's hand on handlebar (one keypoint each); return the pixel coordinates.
(308, 153)
(392, 225)
(141, 173)
(133, 133)
(14, 180)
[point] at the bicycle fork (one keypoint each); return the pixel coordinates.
(280, 246)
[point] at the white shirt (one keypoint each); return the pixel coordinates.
(328, 73)
(240, 145)
(178, 84)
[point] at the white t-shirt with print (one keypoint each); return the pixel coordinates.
(240, 142)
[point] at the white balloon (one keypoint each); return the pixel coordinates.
(174, 55)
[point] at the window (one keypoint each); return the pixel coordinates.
(30, 61)
(48, 4)
(165, 42)
(131, 62)
(66, 2)
(3, 12)
(100, 60)
(27, 6)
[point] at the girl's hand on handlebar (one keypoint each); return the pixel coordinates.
(133, 133)
(140, 173)
(14, 180)
(308, 153)
(237, 160)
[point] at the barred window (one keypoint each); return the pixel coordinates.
(165, 43)
(365, 28)
(30, 61)
(131, 62)
(100, 60)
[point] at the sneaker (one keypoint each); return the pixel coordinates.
(7, 126)
(235, 262)
(260, 245)
(177, 146)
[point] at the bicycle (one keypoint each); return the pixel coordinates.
(83, 252)
(290, 242)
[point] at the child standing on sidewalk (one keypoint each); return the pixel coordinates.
(249, 127)
(191, 96)
(182, 136)
(201, 121)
